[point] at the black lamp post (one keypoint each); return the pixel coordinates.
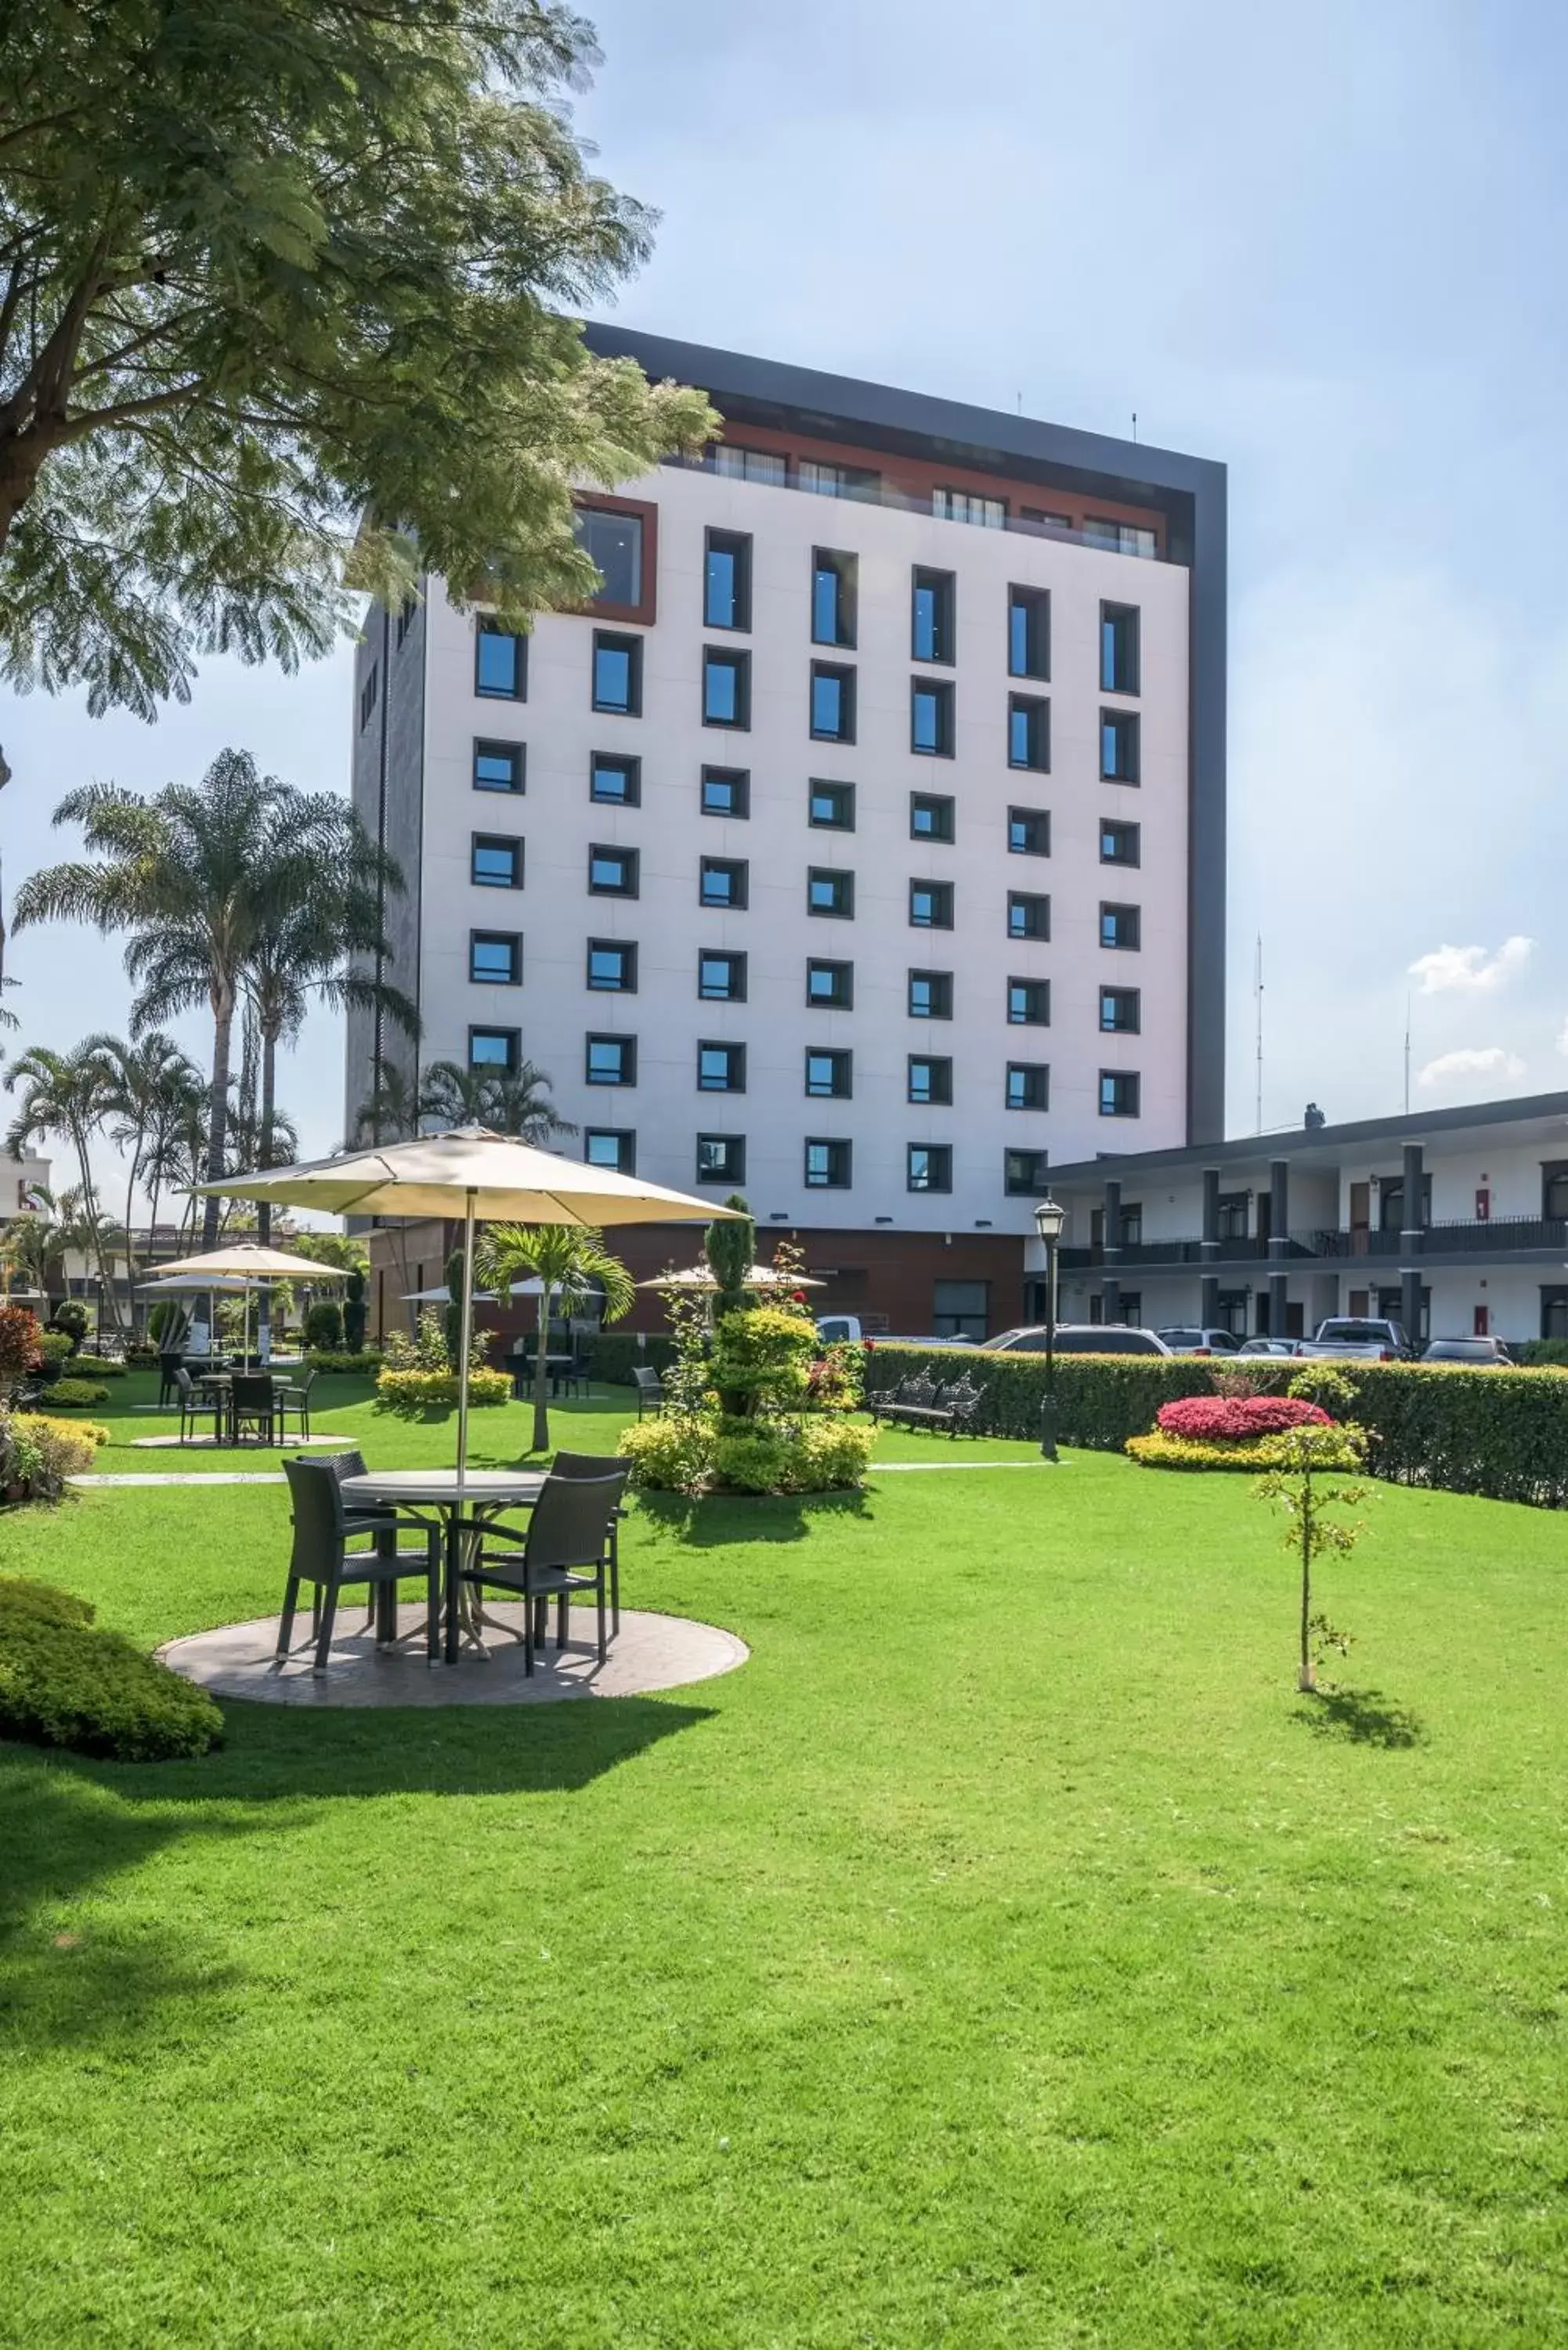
(1049, 1219)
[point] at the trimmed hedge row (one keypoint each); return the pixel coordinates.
(65, 1681)
(613, 1355)
(1101, 1399)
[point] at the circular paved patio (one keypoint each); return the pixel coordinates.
(650, 1652)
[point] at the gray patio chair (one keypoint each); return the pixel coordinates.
(254, 1404)
(567, 1549)
(293, 1395)
(167, 1366)
(649, 1387)
(600, 1464)
(322, 1558)
(193, 1407)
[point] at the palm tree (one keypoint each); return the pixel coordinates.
(63, 1094)
(141, 1084)
(569, 1261)
(30, 1244)
(508, 1101)
(389, 1114)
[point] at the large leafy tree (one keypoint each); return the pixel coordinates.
(571, 1261)
(508, 1101)
(63, 1098)
(285, 290)
(146, 1086)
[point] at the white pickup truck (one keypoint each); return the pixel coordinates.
(1355, 1338)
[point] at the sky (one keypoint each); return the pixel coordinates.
(1323, 246)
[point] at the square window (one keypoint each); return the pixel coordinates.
(931, 905)
(614, 1147)
(830, 986)
(931, 718)
(721, 978)
(1118, 649)
(1024, 1174)
(618, 673)
(1119, 746)
(720, 1159)
(1028, 732)
(499, 664)
(722, 882)
(1028, 915)
(1119, 1093)
(929, 1080)
(831, 807)
(612, 872)
(829, 1075)
(931, 615)
(1028, 832)
(1028, 632)
(1121, 926)
(930, 816)
(495, 957)
(1121, 1012)
(830, 892)
(612, 967)
(1028, 1003)
(611, 1061)
(1121, 844)
(615, 779)
(727, 581)
(967, 505)
(496, 861)
(494, 1048)
(827, 1166)
(726, 689)
(832, 597)
(1028, 1084)
(929, 1167)
(498, 766)
(720, 1068)
(930, 996)
(726, 791)
(613, 544)
(831, 703)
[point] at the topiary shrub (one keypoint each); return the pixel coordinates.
(65, 1681)
(355, 1313)
(72, 1317)
(324, 1326)
(1258, 1453)
(55, 1351)
(362, 1366)
(1222, 1419)
(67, 1394)
(671, 1454)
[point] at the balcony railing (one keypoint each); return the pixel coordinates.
(1500, 1235)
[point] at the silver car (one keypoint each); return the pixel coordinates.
(1078, 1339)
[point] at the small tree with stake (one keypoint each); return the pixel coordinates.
(1303, 1456)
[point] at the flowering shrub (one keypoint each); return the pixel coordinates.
(1338, 1449)
(1226, 1418)
(836, 1379)
(38, 1454)
(421, 1395)
(19, 1336)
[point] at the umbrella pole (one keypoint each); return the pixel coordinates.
(466, 1326)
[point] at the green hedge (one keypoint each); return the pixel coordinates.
(362, 1366)
(1540, 1350)
(614, 1354)
(1101, 1399)
(64, 1681)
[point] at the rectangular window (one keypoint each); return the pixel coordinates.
(838, 481)
(930, 1081)
(931, 613)
(1028, 832)
(726, 689)
(1028, 915)
(494, 1048)
(613, 543)
(1028, 1084)
(1029, 1004)
(1028, 732)
(1235, 1209)
(722, 882)
(1024, 1174)
(831, 703)
(830, 892)
(833, 596)
(961, 1309)
(1118, 649)
(1121, 844)
(963, 506)
(618, 673)
(499, 664)
(1119, 746)
(1121, 538)
(369, 694)
(830, 986)
(406, 611)
(614, 1147)
(1121, 926)
(495, 860)
(614, 779)
(748, 464)
(931, 905)
(720, 1068)
(498, 766)
(726, 791)
(1121, 1012)
(495, 957)
(829, 1075)
(827, 1166)
(721, 978)
(929, 1167)
(612, 967)
(1028, 632)
(930, 816)
(1119, 1093)
(611, 1061)
(931, 718)
(727, 581)
(720, 1159)
(831, 807)
(613, 872)
(930, 996)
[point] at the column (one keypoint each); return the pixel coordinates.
(1412, 1239)
(1110, 1285)
(1279, 1242)
(1208, 1249)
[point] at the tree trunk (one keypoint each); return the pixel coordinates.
(108, 1303)
(1306, 1680)
(541, 1442)
(217, 1108)
(264, 1207)
(130, 1244)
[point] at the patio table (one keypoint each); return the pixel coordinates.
(220, 1386)
(476, 1495)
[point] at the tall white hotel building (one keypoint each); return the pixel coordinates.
(861, 849)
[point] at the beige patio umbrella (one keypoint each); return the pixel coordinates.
(493, 1176)
(245, 1263)
(761, 1277)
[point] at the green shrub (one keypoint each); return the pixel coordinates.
(324, 1326)
(141, 1354)
(421, 1395)
(101, 1366)
(70, 1315)
(1160, 1451)
(70, 1394)
(673, 1454)
(363, 1366)
(55, 1351)
(1534, 1352)
(355, 1313)
(21, 1348)
(1101, 1399)
(65, 1681)
(164, 1320)
(615, 1354)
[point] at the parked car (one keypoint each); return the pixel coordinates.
(1274, 1347)
(1077, 1338)
(1355, 1338)
(839, 1329)
(1199, 1342)
(1476, 1354)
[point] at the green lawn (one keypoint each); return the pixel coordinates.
(1005, 1956)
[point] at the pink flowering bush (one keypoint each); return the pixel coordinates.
(1210, 1420)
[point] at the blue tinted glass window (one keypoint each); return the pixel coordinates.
(497, 862)
(492, 1048)
(498, 663)
(612, 677)
(827, 704)
(498, 766)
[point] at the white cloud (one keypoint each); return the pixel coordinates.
(1452, 968)
(1480, 1061)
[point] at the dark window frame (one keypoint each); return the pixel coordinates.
(511, 1037)
(1117, 1079)
(484, 936)
(626, 950)
(843, 1066)
(824, 824)
(644, 613)
(1032, 1186)
(490, 746)
(843, 975)
(1037, 991)
(624, 1137)
(1020, 817)
(632, 862)
(1121, 915)
(623, 763)
(940, 983)
(1122, 997)
(737, 544)
(1034, 710)
(925, 579)
(737, 866)
(616, 640)
(940, 690)
(1125, 728)
(1113, 620)
(734, 1058)
(734, 1169)
(1030, 1071)
(510, 841)
(944, 807)
(939, 1172)
(846, 570)
(846, 674)
(737, 660)
(939, 1094)
(517, 692)
(628, 1060)
(843, 883)
(942, 896)
(741, 779)
(1135, 831)
(1034, 906)
(830, 1182)
(735, 957)
(1035, 604)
